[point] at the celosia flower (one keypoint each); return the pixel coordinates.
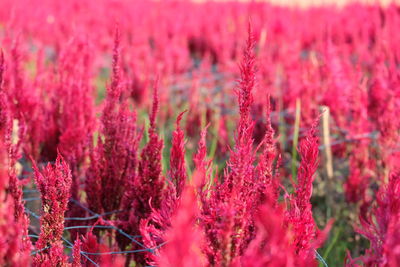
(184, 238)
(25, 104)
(202, 165)
(76, 118)
(154, 227)
(14, 244)
(177, 172)
(147, 191)
(360, 168)
(54, 183)
(265, 169)
(76, 253)
(299, 213)
(90, 245)
(113, 161)
(227, 215)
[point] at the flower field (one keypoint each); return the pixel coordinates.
(178, 133)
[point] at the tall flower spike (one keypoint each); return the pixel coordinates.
(300, 210)
(155, 106)
(158, 222)
(242, 157)
(148, 189)
(177, 171)
(308, 151)
(267, 182)
(76, 253)
(113, 91)
(115, 157)
(109, 114)
(150, 163)
(228, 214)
(54, 183)
(115, 88)
(246, 85)
(201, 163)
(15, 247)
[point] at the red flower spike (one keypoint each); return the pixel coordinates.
(269, 184)
(15, 246)
(299, 214)
(228, 214)
(114, 161)
(147, 193)
(54, 183)
(177, 164)
(76, 253)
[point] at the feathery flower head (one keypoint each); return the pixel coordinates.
(54, 183)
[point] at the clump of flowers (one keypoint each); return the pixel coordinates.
(15, 245)
(113, 160)
(227, 214)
